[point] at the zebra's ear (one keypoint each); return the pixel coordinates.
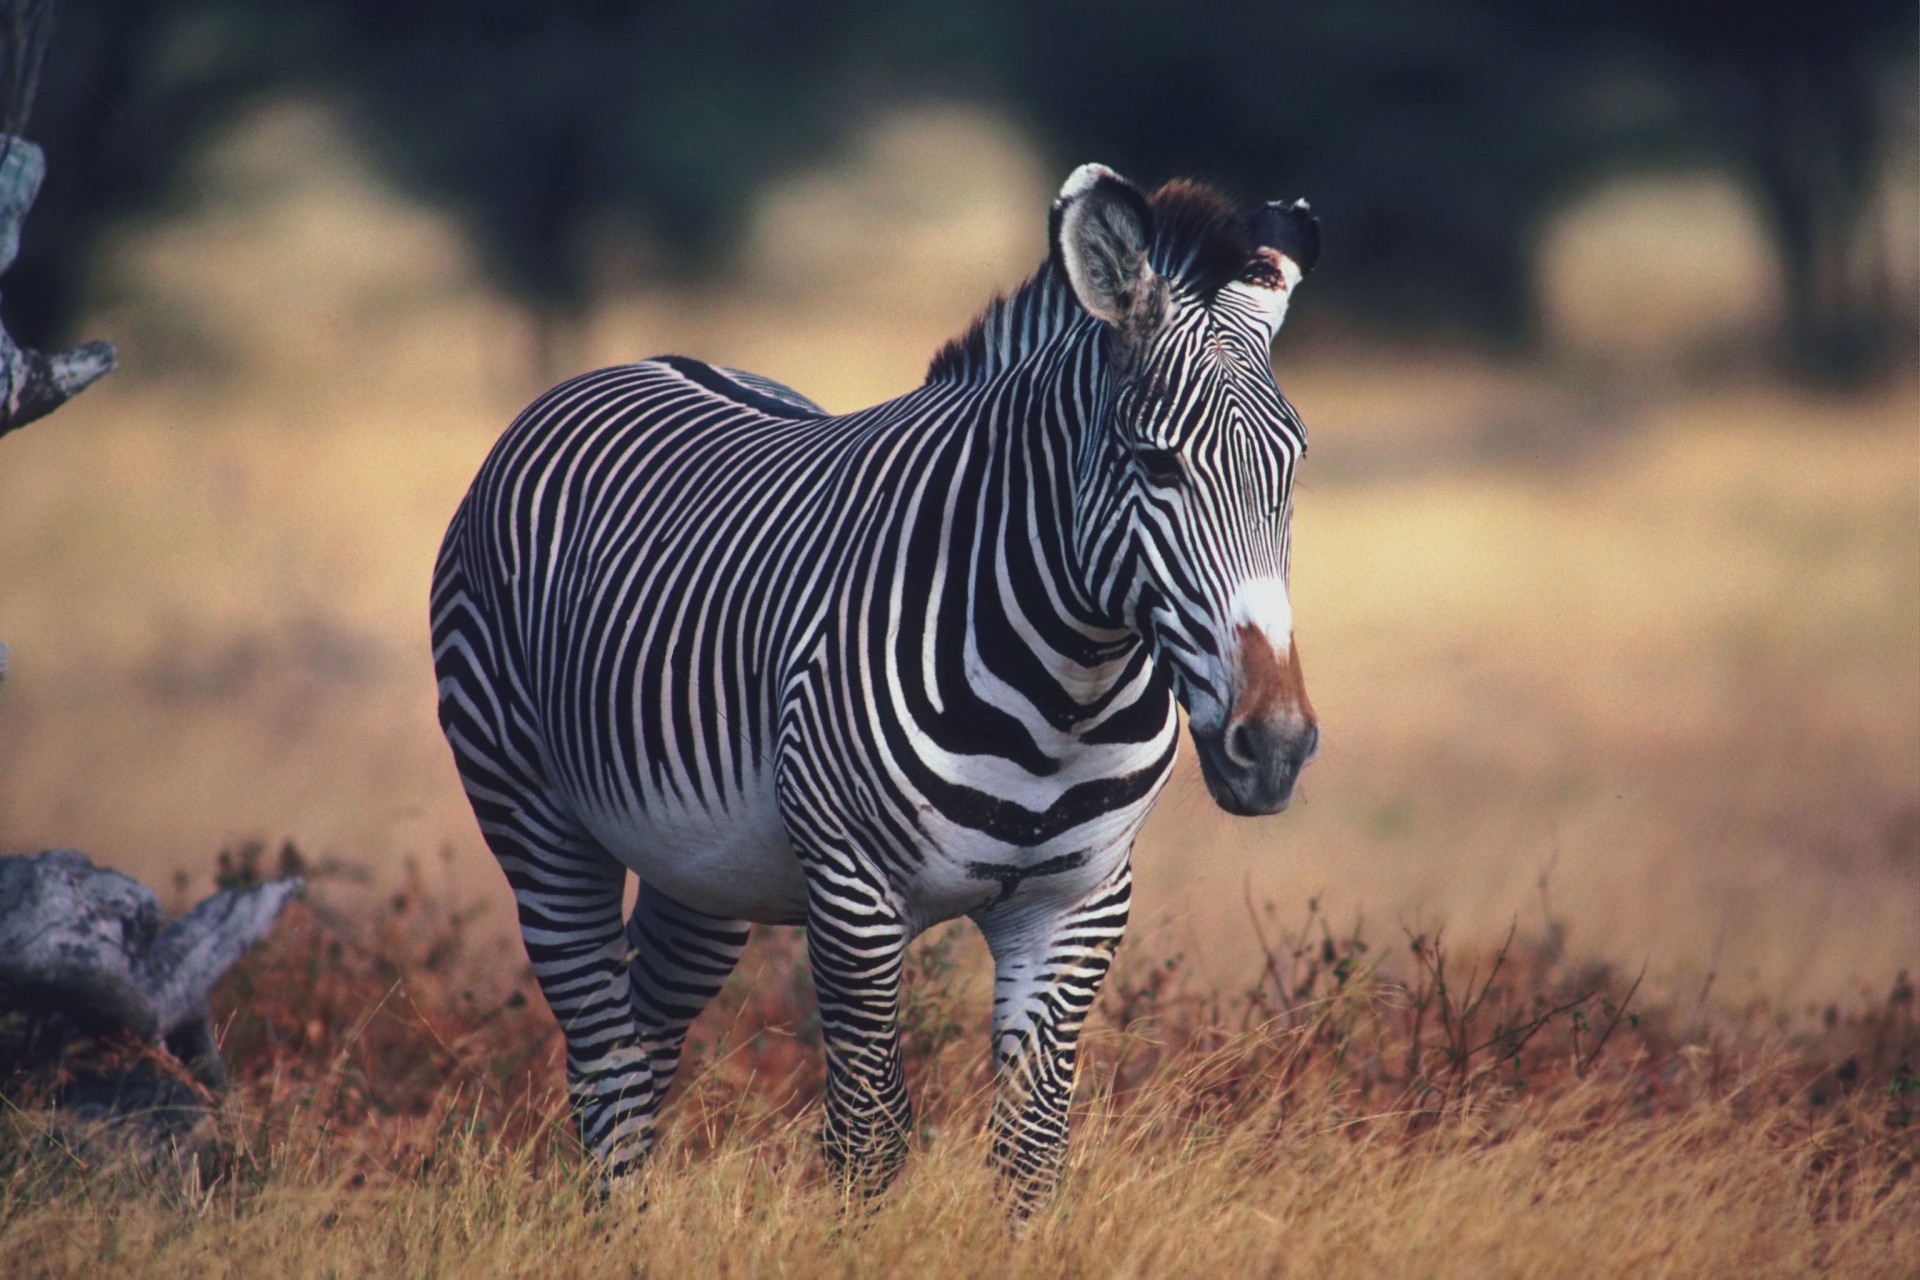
(1101, 229)
(1289, 228)
(1286, 244)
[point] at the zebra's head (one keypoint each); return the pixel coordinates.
(1185, 483)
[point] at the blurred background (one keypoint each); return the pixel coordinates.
(1607, 553)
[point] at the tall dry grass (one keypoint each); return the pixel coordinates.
(1369, 1105)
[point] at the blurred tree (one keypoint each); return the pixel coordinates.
(543, 125)
(1424, 133)
(127, 92)
(26, 28)
(1434, 135)
(1802, 98)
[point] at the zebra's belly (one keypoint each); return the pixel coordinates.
(732, 860)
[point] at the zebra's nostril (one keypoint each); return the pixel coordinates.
(1241, 747)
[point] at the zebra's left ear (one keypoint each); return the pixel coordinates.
(1286, 243)
(1101, 229)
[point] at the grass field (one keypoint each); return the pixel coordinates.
(1627, 671)
(1393, 1105)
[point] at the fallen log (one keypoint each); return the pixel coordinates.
(88, 945)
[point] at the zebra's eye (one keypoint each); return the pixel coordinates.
(1162, 467)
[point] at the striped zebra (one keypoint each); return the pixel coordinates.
(866, 673)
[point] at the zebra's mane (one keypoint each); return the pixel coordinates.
(1199, 244)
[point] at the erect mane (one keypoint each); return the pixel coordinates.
(1199, 245)
(1199, 238)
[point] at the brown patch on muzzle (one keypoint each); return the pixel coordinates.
(1268, 688)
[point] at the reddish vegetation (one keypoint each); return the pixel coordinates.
(377, 1035)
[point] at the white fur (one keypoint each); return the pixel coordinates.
(731, 859)
(1290, 271)
(1081, 180)
(1272, 303)
(1263, 603)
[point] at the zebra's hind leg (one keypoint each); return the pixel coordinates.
(1046, 978)
(856, 945)
(678, 960)
(568, 892)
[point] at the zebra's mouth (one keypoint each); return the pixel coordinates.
(1251, 769)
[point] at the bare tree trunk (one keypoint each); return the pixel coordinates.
(33, 384)
(1810, 118)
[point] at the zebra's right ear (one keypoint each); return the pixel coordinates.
(1101, 229)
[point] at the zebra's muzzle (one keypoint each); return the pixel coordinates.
(1252, 760)
(1251, 766)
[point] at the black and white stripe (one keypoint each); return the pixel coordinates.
(870, 672)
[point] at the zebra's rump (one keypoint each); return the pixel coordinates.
(644, 537)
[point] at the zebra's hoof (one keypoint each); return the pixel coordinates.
(626, 1190)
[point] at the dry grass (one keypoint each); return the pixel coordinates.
(1423, 1111)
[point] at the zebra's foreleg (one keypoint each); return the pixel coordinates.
(1047, 975)
(679, 959)
(856, 942)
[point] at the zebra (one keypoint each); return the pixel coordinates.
(870, 672)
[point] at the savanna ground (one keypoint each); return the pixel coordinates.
(1590, 947)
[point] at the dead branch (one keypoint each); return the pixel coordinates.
(32, 383)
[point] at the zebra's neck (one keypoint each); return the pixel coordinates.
(1031, 616)
(1035, 368)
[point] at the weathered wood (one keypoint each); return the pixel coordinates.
(89, 945)
(32, 383)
